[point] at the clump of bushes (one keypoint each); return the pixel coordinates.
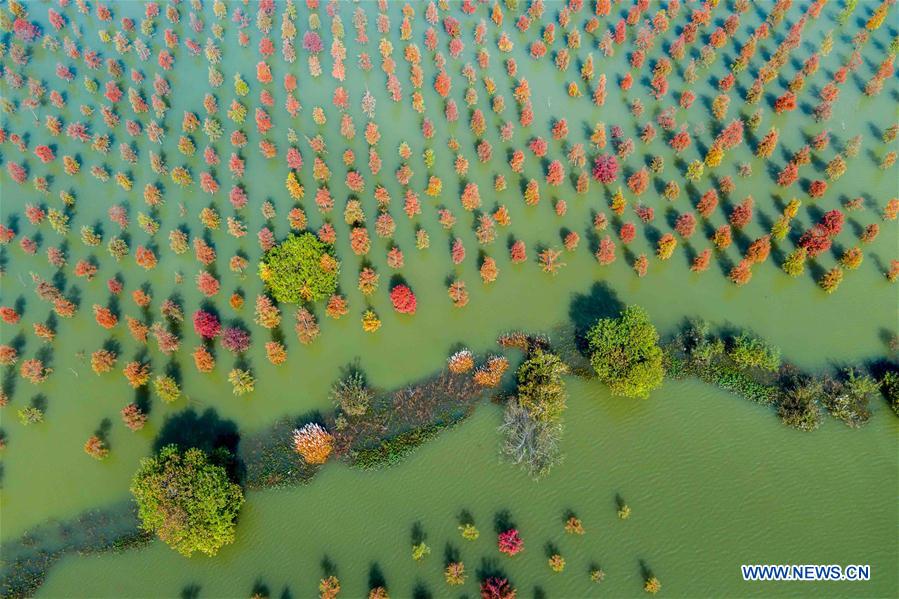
(847, 398)
(531, 426)
(300, 269)
(391, 451)
(352, 395)
(696, 352)
(751, 367)
(798, 401)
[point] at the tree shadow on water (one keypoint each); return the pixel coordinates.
(421, 591)
(376, 577)
(502, 521)
(329, 568)
(418, 533)
(586, 308)
(489, 568)
(260, 589)
(207, 431)
(191, 591)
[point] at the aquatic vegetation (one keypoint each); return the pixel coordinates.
(847, 397)
(313, 443)
(351, 394)
(748, 351)
(237, 158)
(798, 401)
(186, 500)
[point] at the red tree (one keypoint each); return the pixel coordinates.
(510, 543)
(403, 299)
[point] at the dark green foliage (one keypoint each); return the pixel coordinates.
(188, 501)
(736, 381)
(798, 403)
(300, 269)
(541, 390)
(625, 353)
(392, 451)
(697, 352)
(748, 351)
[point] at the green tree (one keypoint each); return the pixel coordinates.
(749, 351)
(300, 269)
(625, 353)
(794, 264)
(541, 390)
(188, 501)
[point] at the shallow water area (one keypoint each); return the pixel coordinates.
(714, 481)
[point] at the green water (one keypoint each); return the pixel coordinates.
(705, 498)
(714, 482)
